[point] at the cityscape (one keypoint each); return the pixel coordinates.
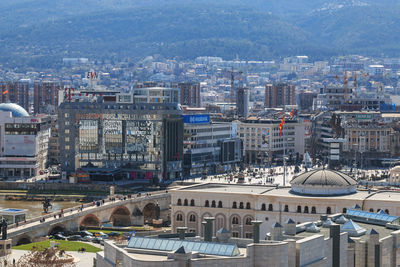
(151, 158)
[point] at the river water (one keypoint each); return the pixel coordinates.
(35, 208)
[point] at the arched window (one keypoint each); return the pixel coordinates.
(207, 204)
(305, 209)
(241, 205)
(270, 207)
(387, 211)
(248, 205)
(328, 210)
(286, 208)
(192, 218)
(263, 206)
(179, 203)
(179, 217)
(344, 210)
(185, 202)
(220, 204)
(213, 204)
(313, 210)
(371, 210)
(235, 220)
(298, 209)
(234, 205)
(192, 202)
(378, 210)
(248, 221)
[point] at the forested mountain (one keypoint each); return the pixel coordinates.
(42, 31)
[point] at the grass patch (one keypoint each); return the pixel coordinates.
(64, 245)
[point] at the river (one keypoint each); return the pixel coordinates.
(35, 208)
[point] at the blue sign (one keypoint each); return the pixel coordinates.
(199, 118)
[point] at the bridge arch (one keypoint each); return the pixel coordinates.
(57, 228)
(151, 211)
(25, 239)
(121, 216)
(90, 220)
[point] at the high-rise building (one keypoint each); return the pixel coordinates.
(15, 92)
(46, 95)
(242, 102)
(190, 94)
(278, 95)
(137, 136)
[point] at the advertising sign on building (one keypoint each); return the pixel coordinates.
(19, 145)
(198, 118)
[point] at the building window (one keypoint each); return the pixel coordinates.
(192, 230)
(234, 205)
(249, 235)
(344, 210)
(207, 204)
(313, 210)
(241, 205)
(248, 221)
(286, 208)
(185, 202)
(263, 206)
(328, 210)
(270, 207)
(220, 204)
(248, 205)
(179, 203)
(66, 147)
(192, 202)
(179, 218)
(371, 210)
(213, 204)
(235, 220)
(298, 209)
(192, 218)
(235, 234)
(387, 211)
(66, 131)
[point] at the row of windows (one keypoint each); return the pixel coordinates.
(235, 219)
(213, 204)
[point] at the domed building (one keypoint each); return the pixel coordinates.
(16, 110)
(323, 183)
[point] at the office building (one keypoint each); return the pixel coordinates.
(15, 92)
(209, 146)
(279, 95)
(263, 142)
(242, 102)
(46, 97)
(24, 142)
(137, 136)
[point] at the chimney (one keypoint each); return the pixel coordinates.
(181, 231)
(276, 232)
(256, 231)
(334, 233)
(208, 228)
(290, 227)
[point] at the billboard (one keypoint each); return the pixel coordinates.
(19, 145)
(198, 118)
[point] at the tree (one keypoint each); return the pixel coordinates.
(49, 257)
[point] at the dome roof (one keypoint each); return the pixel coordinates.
(16, 110)
(323, 182)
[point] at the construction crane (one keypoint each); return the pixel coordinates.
(350, 75)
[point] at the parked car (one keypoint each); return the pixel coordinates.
(74, 238)
(87, 238)
(59, 237)
(97, 240)
(114, 234)
(85, 233)
(99, 234)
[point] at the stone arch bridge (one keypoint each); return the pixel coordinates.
(136, 210)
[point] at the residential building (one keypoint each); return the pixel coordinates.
(46, 96)
(190, 94)
(242, 102)
(279, 95)
(15, 92)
